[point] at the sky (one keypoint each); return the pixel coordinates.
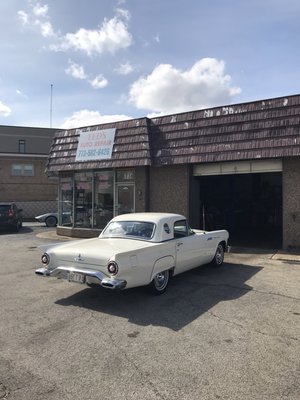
(70, 63)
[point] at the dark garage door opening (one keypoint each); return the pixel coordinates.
(249, 206)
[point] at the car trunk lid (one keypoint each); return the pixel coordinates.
(97, 251)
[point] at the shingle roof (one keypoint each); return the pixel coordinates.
(261, 129)
(131, 147)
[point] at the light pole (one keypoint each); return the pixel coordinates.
(51, 90)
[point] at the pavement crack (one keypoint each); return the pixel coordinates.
(276, 294)
(247, 288)
(3, 391)
(242, 326)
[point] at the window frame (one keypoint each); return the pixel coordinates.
(22, 146)
(22, 170)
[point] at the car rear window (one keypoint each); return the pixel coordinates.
(4, 208)
(125, 229)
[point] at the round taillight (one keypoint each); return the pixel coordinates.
(113, 268)
(45, 259)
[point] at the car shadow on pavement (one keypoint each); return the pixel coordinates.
(23, 230)
(189, 295)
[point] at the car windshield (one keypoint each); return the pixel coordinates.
(125, 229)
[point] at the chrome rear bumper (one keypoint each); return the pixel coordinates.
(91, 276)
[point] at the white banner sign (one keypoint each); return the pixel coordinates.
(95, 145)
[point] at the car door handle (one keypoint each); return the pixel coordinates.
(179, 244)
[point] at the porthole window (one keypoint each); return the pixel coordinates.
(167, 228)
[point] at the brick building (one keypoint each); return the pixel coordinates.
(235, 167)
(23, 155)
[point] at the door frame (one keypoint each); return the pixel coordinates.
(116, 196)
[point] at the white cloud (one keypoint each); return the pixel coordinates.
(40, 11)
(20, 93)
(99, 82)
(38, 17)
(23, 17)
(45, 28)
(112, 36)
(5, 111)
(170, 90)
(124, 69)
(76, 71)
(87, 118)
(123, 13)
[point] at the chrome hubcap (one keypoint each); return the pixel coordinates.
(219, 255)
(161, 280)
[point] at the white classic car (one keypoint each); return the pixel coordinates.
(135, 250)
(50, 219)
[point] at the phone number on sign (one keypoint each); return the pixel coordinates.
(93, 153)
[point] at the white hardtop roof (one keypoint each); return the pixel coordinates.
(162, 232)
(154, 217)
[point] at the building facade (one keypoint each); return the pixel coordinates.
(235, 167)
(23, 156)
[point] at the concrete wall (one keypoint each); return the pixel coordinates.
(291, 203)
(169, 189)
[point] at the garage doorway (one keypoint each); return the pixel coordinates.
(249, 206)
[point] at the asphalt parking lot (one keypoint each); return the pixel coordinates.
(228, 333)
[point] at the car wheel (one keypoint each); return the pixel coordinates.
(219, 256)
(51, 221)
(160, 282)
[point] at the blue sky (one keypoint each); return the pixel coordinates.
(107, 60)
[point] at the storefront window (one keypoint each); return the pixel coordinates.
(92, 199)
(104, 198)
(83, 200)
(66, 201)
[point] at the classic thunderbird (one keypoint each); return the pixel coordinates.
(135, 250)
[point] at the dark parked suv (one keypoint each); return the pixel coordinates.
(10, 216)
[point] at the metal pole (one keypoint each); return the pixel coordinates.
(51, 89)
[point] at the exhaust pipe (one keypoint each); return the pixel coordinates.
(42, 271)
(113, 284)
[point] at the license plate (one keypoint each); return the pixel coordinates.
(76, 277)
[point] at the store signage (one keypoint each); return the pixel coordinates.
(95, 145)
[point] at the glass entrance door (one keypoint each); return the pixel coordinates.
(124, 199)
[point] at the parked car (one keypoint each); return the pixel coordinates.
(135, 250)
(10, 216)
(50, 219)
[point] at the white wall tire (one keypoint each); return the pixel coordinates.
(219, 256)
(160, 282)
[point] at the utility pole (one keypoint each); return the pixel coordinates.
(51, 90)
